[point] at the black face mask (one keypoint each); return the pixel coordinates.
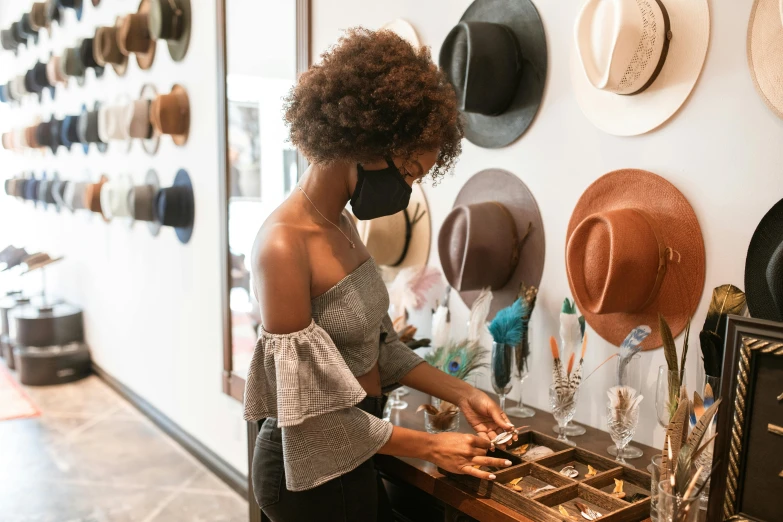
(380, 193)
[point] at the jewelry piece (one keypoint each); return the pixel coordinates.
(350, 240)
(569, 471)
(506, 436)
(587, 513)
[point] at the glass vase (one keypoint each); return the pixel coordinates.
(522, 368)
(629, 374)
(563, 405)
(622, 426)
(441, 422)
(674, 508)
(655, 478)
(502, 364)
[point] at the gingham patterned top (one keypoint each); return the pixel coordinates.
(307, 379)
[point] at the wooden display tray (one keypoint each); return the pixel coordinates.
(542, 505)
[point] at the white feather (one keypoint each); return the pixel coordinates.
(570, 335)
(441, 328)
(479, 312)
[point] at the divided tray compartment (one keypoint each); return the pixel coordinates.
(479, 486)
(611, 509)
(533, 478)
(579, 459)
(532, 439)
(634, 482)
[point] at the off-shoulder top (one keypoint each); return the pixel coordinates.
(307, 379)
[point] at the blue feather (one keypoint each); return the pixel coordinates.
(630, 347)
(506, 327)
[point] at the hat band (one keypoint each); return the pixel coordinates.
(667, 32)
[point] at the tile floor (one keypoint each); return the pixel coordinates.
(91, 457)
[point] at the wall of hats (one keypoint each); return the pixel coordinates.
(52, 74)
(111, 170)
(684, 135)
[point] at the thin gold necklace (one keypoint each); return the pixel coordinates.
(350, 240)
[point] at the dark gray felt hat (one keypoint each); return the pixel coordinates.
(764, 267)
(496, 59)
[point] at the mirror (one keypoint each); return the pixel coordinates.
(265, 46)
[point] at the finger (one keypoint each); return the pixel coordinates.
(491, 461)
(478, 452)
(483, 435)
(470, 470)
(500, 417)
(480, 442)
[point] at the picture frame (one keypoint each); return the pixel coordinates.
(748, 480)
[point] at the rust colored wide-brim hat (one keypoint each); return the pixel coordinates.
(170, 114)
(634, 248)
(402, 239)
(493, 237)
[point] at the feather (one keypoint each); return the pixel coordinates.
(576, 378)
(696, 436)
(683, 469)
(418, 343)
(570, 331)
(570, 364)
(458, 359)
(409, 289)
(670, 352)
(624, 399)
(697, 408)
(558, 379)
(527, 297)
(506, 327)
(674, 437)
(704, 447)
(478, 315)
(684, 350)
(726, 299)
(630, 347)
(441, 327)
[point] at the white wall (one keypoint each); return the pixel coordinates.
(722, 150)
(152, 306)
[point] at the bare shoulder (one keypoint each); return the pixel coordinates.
(278, 245)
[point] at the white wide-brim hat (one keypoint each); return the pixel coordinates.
(765, 52)
(631, 115)
(404, 30)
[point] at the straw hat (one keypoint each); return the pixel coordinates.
(400, 240)
(496, 59)
(404, 30)
(634, 248)
(493, 237)
(634, 64)
(170, 114)
(765, 42)
(764, 267)
(134, 36)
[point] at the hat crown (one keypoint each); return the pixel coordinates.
(174, 206)
(87, 53)
(139, 116)
(774, 276)
(140, 202)
(134, 34)
(169, 113)
(615, 261)
(106, 48)
(479, 246)
(385, 237)
(620, 43)
(166, 20)
(482, 61)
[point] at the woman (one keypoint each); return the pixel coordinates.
(372, 118)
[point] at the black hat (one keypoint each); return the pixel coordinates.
(170, 20)
(69, 131)
(496, 59)
(88, 56)
(19, 37)
(29, 83)
(175, 206)
(764, 267)
(55, 129)
(55, 7)
(43, 134)
(7, 40)
(26, 28)
(88, 127)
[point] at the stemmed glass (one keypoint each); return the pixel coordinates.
(622, 426)
(502, 363)
(662, 406)
(522, 368)
(632, 377)
(563, 410)
(395, 402)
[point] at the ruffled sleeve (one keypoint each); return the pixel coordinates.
(297, 376)
(395, 359)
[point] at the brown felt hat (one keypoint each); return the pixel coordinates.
(493, 237)
(92, 196)
(170, 114)
(634, 248)
(133, 36)
(107, 50)
(38, 16)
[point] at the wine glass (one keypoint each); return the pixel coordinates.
(502, 362)
(663, 408)
(622, 426)
(521, 371)
(563, 409)
(630, 375)
(395, 402)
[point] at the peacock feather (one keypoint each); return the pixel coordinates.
(458, 359)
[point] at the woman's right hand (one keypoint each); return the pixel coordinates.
(459, 452)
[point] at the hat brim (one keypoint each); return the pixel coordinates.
(179, 48)
(418, 252)
(152, 179)
(179, 91)
(38, 266)
(147, 58)
(524, 21)
(151, 144)
(765, 39)
(183, 179)
(633, 115)
(683, 283)
(510, 191)
(766, 238)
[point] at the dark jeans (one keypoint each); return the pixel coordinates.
(358, 495)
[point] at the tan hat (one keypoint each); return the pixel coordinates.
(113, 123)
(400, 240)
(404, 30)
(38, 16)
(37, 261)
(107, 50)
(133, 36)
(634, 248)
(494, 237)
(634, 64)
(765, 52)
(92, 197)
(170, 114)
(54, 71)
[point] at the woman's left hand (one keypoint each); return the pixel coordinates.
(484, 415)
